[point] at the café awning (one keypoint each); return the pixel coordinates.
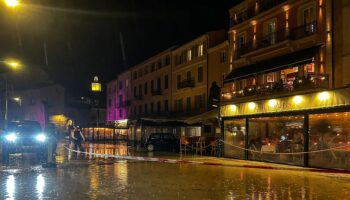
(210, 115)
(296, 58)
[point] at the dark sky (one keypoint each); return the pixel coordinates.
(82, 36)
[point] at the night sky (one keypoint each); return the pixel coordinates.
(82, 36)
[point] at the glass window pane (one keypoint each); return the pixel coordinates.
(234, 135)
(329, 131)
(269, 135)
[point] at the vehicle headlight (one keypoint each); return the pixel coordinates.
(11, 137)
(41, 137)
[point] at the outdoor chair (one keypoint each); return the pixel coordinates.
(184, 144)
(214, 147)
(200, 145)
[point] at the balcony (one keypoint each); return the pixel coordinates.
(156, 92)
(277, 37)
(189, 83)
(320, 81)
(251, 12)
(124, 104)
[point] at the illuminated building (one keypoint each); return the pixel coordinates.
(287, 91)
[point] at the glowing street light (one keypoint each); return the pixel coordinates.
(12, 3)
(13, 64)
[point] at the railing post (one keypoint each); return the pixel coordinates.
(306, 140)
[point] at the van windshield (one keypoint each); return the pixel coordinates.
(24, 127)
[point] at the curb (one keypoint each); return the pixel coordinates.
(174, 161)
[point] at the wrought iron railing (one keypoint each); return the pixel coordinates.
(277, 37)
(185, 84)
(253, 11)
(315, 82)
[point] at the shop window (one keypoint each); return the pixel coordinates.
(276, 135)
(234, 136)
(330, 131)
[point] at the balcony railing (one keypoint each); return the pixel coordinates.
(124, 104)
(315, 82)
(185, 84)
(156, 92)
(251, 12)
(277, 37)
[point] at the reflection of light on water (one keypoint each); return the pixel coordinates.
(10, 187)
(121, 171)
(119, 148)
(40, 186)
(94, 182)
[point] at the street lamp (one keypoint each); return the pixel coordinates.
(12, 3)
(19, 100)
(12, 64)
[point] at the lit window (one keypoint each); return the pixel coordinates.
(200, 50)
(189, 55)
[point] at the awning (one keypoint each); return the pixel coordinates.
(162, 123)
(296, 58)
(212, 114)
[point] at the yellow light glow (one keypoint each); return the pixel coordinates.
(253, 22)
(323, 96)
(13, 64)
(17, 99)
(286, 7)
(297, 99)
(96, 87)
(251, 105)
(233, 108)
(273, 103)
(12, 3)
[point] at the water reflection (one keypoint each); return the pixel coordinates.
(121, 173)
(120, 149)
(40, 186)
(10, 187)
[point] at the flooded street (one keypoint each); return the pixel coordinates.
(116, 179)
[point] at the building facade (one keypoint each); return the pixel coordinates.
(119, 98)
(151, 91)
(284, 95)
(190, 74)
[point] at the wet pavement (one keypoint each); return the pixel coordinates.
(99, 178)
